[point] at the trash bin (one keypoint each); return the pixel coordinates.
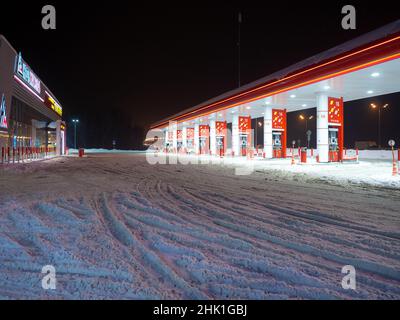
(81, 152)
(303, 155)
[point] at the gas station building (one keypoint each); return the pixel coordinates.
(30, 114)
(365, 67)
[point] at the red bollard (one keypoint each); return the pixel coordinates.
(394, 169)
(398, 159)
(303, 156)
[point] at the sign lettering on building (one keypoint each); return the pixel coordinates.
(3, 113)
(27, 74)
(51, 103)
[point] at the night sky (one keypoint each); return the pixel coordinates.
(119, 67)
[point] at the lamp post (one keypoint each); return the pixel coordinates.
(75, 122)
(374, 106)
(306, 118)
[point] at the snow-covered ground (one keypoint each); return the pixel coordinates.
(114, 226)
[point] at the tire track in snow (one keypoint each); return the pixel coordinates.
(122, 233)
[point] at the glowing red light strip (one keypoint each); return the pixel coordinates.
(29, 89)
(329, 76)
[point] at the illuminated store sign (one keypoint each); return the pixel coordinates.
(3, 113)
(51, 103)
(27, 74)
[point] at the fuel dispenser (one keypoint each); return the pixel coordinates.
(333, 144)
(277, 144)
(190, 139)
(244, 135)
(221, 135)
(179, 144)
(204, 137)
(335, 129)
(279, 133)
(168, 145)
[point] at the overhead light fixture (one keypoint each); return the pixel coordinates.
(304, 105)
(375, 74)
(267, 102)
(370, 92)
(233, 111)
(327, 87)
(262, 113)
(293, 96)
(220, 115)
(248, 108)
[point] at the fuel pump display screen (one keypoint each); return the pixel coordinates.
(277, 140)
(333, 139)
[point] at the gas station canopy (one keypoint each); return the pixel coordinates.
(365, 67)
